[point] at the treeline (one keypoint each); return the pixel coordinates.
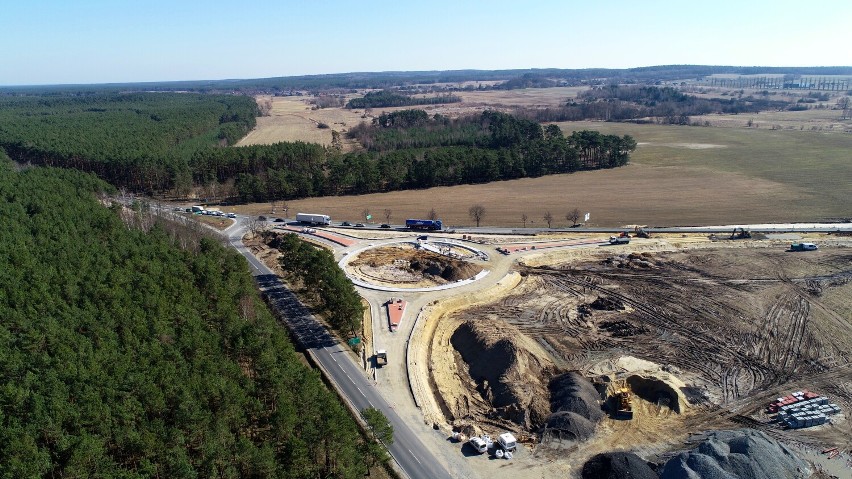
(317, 270)
(122, 355)
(141, 140)
(631, 102)
(409, 150)
(382, 80)
(389, 98)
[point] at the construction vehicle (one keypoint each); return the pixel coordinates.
(740, 233)
(624, 407)
(640, 232)
(803, 247)
(622, 238)
(433, 225)
(381, 358)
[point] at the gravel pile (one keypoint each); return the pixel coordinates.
(741, 454)
(617, 465)
(570, 426)
(574, 393)
(574, 402)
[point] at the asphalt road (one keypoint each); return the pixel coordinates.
(407, 449)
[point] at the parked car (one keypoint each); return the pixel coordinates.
(232, 215)
(385, 225)
(346, 223)
(359, 225)
(278, 220)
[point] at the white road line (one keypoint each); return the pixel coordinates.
(360, 391)
(415, 457)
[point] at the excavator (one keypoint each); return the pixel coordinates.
(740, 233)
(640, 232)
(624, 407)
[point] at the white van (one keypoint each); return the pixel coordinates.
(507, 441)
(478, 444)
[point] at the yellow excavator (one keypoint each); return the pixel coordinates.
(624, 407)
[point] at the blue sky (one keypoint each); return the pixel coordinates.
(100, 41)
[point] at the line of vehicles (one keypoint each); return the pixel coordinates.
(200, 210)
(318, 219)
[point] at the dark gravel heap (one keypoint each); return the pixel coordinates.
(740, 454)
(570, 425)
(617, 465)
(574, 402)
(573, 392)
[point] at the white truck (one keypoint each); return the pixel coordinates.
(313, 219)
(619, 239)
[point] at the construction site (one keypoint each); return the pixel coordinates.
(598, 350)
(585, 347)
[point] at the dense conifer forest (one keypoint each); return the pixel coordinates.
(123, 355)
(169, 143)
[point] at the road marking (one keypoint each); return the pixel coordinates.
(415, 457)
(360, 391)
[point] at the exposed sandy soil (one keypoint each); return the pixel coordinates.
(705, 337)
(405, 266)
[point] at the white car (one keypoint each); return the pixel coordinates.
(232, 215)
(478, 444)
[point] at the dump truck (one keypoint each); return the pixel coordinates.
(433, 225)
(624, 408)
(803, 247)
(381, 358)
(313, 219)
(620, 239)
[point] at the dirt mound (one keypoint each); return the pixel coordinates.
(617, 465)
(405, 264)
(572, 392)
(607, 303)
(450, 270)
(741, 454)
(654, 391)
(506, 376)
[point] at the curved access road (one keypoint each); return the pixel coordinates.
(407, 450)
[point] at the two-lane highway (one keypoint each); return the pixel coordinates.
(407, 449)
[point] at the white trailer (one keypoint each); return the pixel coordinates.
(313, 219)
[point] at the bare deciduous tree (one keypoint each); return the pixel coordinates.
(366, 214)
(432, 214)
(548, 218)
(255, 226)
(476, 212)
(573, 216)
(524, 219)
(387, 213)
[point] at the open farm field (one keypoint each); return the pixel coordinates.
(292, 119)
(818, 120)
(678, 176)
(526, 97)
(818, 163)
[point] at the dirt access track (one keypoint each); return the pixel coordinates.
(704, 336)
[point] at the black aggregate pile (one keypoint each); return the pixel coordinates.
(570, 426)
(617, 465)
(740, 454)
(574, 402)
